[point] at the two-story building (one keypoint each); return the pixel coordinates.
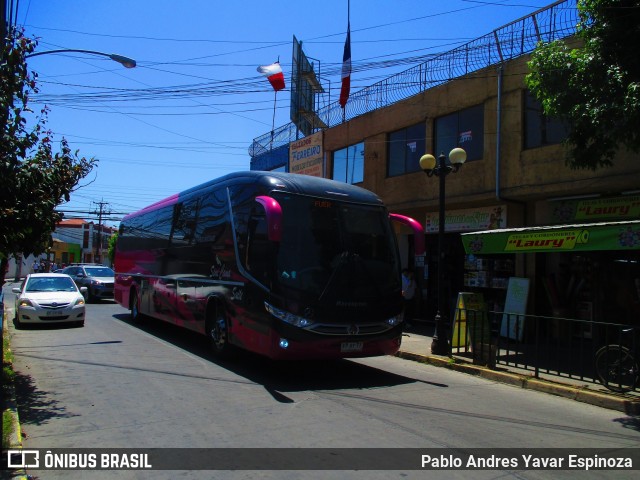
(515, 209)
(80, 241)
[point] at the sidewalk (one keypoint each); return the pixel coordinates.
(9, 405)
(416, 345)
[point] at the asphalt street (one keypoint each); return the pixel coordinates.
(114, 384)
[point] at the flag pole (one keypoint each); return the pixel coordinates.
(346, 66)
(275, 99)
(275, 76)
(273, 121)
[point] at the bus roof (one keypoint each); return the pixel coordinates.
(290, 182)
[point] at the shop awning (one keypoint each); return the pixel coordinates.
(557, 238)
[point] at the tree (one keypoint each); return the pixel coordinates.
(595, 87)
(113, 240)
(35, 180)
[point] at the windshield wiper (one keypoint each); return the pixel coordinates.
(341, 260)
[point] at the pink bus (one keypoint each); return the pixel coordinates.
(288, 266)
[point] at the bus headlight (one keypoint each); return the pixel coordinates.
(290, 318)
(393, 321)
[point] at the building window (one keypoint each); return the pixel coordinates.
(540, 130)
(464, 129)
(406, 146)
(348, 164)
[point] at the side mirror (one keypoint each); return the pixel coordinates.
(418, 231)
(273, 211)
(16, 290)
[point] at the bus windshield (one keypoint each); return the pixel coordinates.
(333, 250)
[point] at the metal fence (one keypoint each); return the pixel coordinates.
(597, 352)
(556, 21)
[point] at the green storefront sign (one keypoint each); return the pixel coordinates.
(563, 238)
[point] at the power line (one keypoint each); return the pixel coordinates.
(93, 212)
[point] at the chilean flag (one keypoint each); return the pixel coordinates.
(274, 74)
(346, 69)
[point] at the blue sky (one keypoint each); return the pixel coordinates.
(191, 108)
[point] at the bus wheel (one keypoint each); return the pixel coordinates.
(134, 306)
(218, 332)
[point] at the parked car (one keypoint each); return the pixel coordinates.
(97, 278)
(49, 298)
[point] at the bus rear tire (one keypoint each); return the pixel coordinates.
(218, 332)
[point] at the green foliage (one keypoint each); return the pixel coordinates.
(35, 180)
(7, 428)
(596, 87)
(112, 247)
(8, 377)
(7, 354)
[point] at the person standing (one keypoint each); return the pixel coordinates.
(409, 293)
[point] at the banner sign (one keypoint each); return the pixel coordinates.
(470, 322)
(565, 238)
(470, 220)
(512, 325)
(306, 156)
(614, 209)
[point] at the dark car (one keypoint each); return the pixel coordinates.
(97, 278)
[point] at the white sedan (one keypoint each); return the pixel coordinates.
(49, 298)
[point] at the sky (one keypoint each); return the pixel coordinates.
(188, 112)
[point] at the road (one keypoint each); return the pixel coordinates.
(120, 385)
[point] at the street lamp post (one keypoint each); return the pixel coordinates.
(441, 344)
(124, 61)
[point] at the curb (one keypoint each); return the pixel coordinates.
(579, 394)
(11, 406)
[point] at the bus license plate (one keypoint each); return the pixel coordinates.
(351, 347)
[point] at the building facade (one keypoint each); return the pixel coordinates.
(91, 241)
(515, 177)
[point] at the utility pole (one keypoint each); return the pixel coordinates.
(100, 212)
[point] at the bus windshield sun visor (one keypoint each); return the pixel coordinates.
(273, 211)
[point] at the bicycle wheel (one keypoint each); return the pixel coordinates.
(616, 367)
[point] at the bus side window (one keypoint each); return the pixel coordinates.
(260, 250)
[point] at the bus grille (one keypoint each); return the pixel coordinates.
(349, 329)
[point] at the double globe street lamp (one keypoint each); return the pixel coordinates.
(428, 163)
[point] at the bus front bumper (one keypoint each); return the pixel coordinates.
(287, 347)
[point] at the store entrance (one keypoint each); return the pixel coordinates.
(603, 286)
(454, 255)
